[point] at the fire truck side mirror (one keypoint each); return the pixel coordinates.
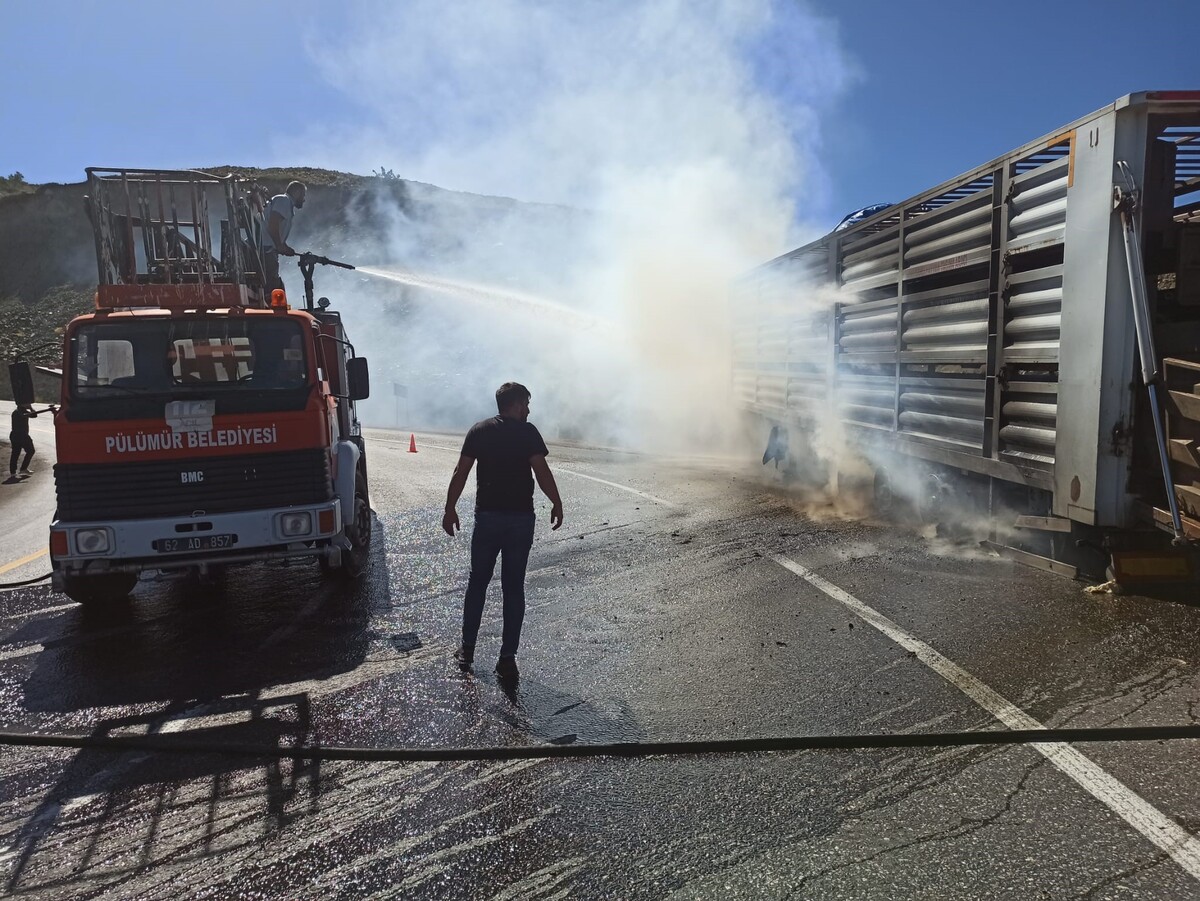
(21, 378)
(359, 378)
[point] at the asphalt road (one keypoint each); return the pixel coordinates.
(680, 600)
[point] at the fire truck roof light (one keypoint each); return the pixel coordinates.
(279, 299)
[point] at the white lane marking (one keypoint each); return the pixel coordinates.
(41, 611)
(21, 652)
(649, 497)
(1159, 829)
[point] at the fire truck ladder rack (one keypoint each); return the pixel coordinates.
(171, 238)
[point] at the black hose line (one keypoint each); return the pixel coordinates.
(180, 743)
(4, 585)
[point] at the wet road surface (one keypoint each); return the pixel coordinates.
(662, 610)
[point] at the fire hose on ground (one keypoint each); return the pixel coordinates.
(22, 582)
(566, 747)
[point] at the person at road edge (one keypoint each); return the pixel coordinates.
(20, 439)
(511, 454)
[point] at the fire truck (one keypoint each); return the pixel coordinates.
(204, 420)
(1021, 341)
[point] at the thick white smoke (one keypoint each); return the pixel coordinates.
(687, 132)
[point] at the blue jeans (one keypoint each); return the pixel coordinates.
(509, 535)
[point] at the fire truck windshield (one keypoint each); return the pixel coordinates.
(169, 356)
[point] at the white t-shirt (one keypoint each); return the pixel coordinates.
(281, 204)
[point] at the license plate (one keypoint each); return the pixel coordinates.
(194, 543)
(190, 415)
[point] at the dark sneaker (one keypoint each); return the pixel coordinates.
(26, 470)
(506, 668)
(464, 657)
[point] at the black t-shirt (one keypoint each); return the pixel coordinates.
(502, 448)
(20, 422)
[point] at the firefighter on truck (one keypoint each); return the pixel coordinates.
(204, 421)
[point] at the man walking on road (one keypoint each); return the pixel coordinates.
(19, 437)
(511, 454)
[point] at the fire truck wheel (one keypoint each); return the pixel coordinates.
(96, 591)
(359, 533)
(358, 530)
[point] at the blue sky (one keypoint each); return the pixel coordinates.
(889, 97)
(948, 86)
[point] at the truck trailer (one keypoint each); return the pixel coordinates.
(1022, 341)
(204, 421)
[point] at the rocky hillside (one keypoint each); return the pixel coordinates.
(48, 266)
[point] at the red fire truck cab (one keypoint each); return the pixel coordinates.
(203, 421)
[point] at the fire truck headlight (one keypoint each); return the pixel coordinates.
(91, 541)
(292, 525)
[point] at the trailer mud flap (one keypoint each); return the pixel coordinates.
(1152, 567)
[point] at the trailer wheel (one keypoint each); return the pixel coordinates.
(99, 590)
(358, 530)
(886, 502)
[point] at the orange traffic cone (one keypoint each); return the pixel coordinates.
(412, 443)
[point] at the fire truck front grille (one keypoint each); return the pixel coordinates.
(184, 487)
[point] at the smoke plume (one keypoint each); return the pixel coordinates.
(674, 145)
